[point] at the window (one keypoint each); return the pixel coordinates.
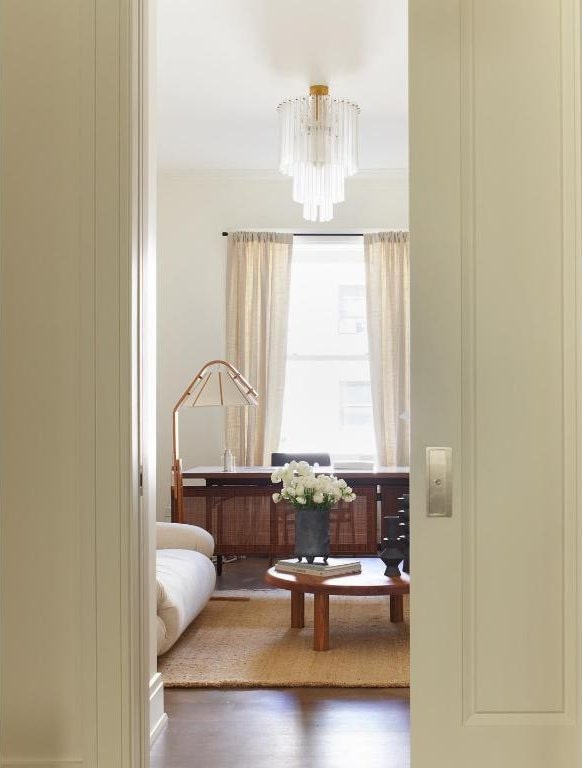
(352, 309)
(356, 403)
(327, 402)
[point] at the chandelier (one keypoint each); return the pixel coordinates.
(319, 149)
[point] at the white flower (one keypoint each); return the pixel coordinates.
(287, 476)
(323, 481)
(302, 487)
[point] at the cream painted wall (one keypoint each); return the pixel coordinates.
(71, 655)
(193, 210)
(41, 238)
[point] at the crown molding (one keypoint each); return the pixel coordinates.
(381, 176)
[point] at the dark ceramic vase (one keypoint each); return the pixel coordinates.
(391, 556)
(311, 533)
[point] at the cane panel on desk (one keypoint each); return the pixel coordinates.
(239, 517)
(244, 520)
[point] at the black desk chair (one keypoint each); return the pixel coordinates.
(279, 459)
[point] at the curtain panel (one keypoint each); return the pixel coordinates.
(388, 312)
(257, 301)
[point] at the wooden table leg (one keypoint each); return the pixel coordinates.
(321, 622)
(272, 531)
(396, 608)
(297, 610)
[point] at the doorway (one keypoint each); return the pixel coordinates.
(452, 242)
(219, 172)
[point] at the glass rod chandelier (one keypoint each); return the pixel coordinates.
(319, 149)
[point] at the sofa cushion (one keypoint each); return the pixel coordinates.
(184, 536)
(185, 581)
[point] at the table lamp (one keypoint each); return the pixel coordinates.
(217, 383)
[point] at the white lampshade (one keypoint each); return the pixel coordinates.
(218, 384)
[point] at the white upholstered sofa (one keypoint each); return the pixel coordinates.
(185, 578)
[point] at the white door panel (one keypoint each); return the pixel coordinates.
(494, 251)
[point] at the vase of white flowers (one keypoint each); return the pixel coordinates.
(311, 533)
(312, 496)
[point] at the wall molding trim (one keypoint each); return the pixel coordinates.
(562, 711)
(158, 718)
(17, 763)
(384, 176)
(159, 728)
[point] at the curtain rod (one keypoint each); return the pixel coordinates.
(320, 234)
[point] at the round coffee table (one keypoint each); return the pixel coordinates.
(371, 581)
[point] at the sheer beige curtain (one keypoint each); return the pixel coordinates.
(258, 281)
(388, 309)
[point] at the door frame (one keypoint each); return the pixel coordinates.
(134, 654)
(120, 467)
(147, 699)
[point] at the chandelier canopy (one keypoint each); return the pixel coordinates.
(319, 149)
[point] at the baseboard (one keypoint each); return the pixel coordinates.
(158, 718)
(158, 721)
(158, 728)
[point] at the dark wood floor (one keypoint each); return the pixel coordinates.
(290, 728)
(243, 573)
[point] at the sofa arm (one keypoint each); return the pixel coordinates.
(184, 536)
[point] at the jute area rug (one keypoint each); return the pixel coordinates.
(249, 643)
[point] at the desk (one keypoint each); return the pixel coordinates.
(237, 508)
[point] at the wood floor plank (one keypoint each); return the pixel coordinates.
(292, 727)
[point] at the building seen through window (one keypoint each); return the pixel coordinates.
(352, 309)
(327, 402)
(355, 403)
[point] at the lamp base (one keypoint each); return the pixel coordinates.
(228, 461)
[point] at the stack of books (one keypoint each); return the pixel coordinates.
(338, 568)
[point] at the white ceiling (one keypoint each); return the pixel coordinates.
(224, 65)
